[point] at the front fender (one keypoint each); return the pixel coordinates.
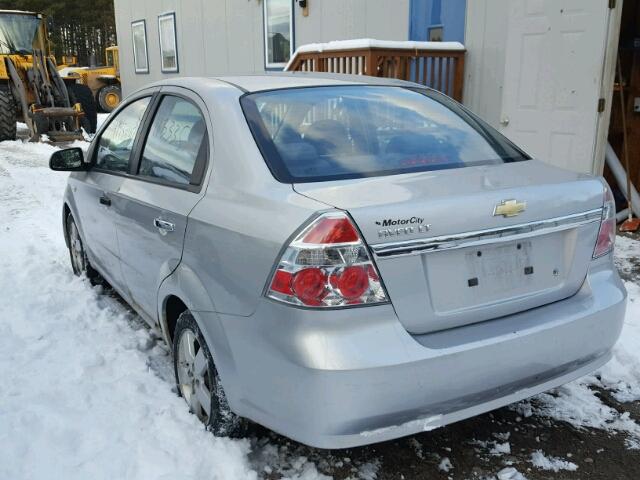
(69, 203)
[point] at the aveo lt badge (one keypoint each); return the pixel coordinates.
(401, 226)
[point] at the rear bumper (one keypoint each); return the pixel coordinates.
(344, 378)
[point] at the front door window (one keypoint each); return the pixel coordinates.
(116, 142)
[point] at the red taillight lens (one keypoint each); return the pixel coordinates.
(331, 230)
(309, 285)
(607, 232)
(353, 282)
(327, 265)
(282, 282)
(606, 238)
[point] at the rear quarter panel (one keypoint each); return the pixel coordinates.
(237, 231)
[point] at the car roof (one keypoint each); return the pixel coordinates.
(273, 81)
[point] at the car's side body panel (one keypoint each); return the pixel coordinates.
(98, 220)
(148, 252)
(237, 231)
(234, 262)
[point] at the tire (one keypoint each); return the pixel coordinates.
(78, 255)
(195, 372)
(109, 97)
(7, 114)
(81, 94)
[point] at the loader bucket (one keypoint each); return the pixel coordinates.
(49, 120)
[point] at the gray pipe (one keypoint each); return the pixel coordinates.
(621, 178)
(622, 215)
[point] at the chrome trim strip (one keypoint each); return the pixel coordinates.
(483, 237)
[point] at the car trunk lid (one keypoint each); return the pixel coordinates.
(460, 246)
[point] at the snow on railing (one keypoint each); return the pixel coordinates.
(439, 65)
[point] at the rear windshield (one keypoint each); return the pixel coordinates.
(338, 132)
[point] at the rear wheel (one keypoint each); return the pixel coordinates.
(79, 261)
(109, 97)
(198, 381)
(81, 94)
(7, 114)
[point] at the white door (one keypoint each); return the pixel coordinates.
(553, 78)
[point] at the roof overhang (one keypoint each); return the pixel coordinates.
(22, 12)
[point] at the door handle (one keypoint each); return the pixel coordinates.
(164, 225)
(104, 200)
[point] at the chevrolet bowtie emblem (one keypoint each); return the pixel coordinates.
(509, 208)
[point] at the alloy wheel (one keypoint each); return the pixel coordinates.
(78, 259)
(194, 376)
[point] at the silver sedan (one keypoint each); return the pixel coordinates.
(344, 260)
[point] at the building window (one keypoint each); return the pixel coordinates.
(168, 42)
(278, 32)
(140, 55)
(436, 34)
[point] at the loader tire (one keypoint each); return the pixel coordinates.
(7, 115)
(109, 97)
(82, 94)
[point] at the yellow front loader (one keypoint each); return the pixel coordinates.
(104, 81)
(31, 89)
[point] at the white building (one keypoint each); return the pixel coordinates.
(222, 36)
(541, 71)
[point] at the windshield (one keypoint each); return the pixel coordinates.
(332, 133)
(17, 32)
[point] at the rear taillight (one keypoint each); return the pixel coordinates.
(327, 265)
(607, 232)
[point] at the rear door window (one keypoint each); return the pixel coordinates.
(116, 142)
(176, 142)
(331, 133)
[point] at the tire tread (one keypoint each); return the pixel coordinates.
(8, 128)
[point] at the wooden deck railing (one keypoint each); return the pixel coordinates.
(436, 65)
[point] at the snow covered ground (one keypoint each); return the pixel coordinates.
(577, 403)
(87, 389)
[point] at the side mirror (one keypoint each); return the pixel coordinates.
(68, 160)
